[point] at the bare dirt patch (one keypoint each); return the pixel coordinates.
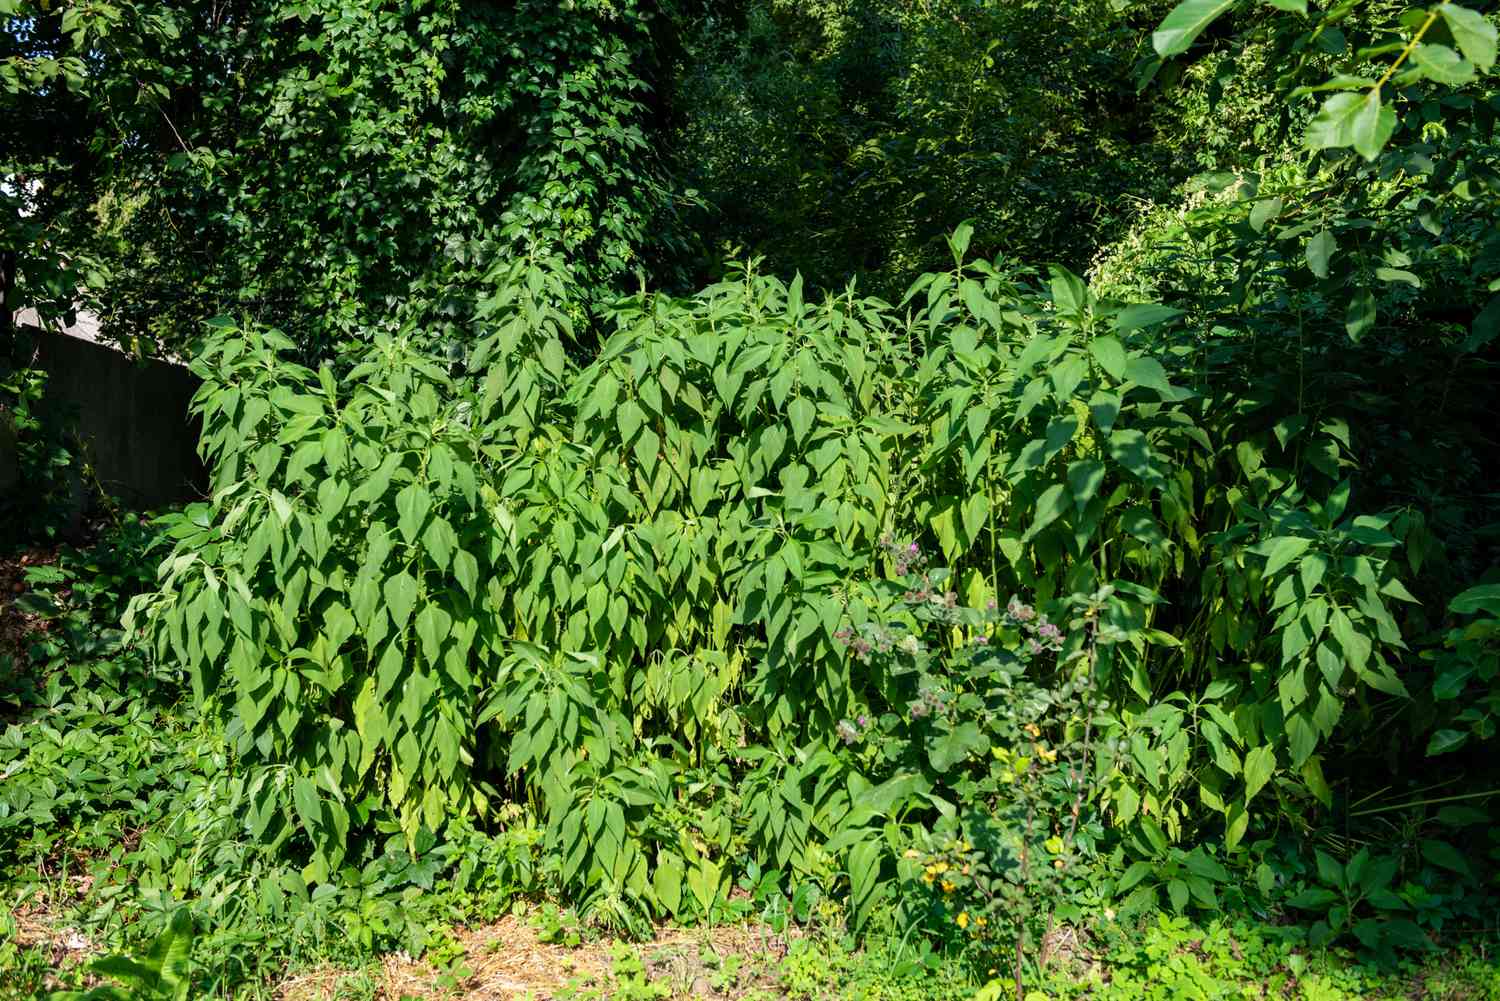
(507, 961)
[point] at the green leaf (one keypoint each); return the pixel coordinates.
(1360, 315)
(1473, 32)
(1068, 291)
(801, 412)
(646, 448)
(1148, 372)
(1133, 875)
(1351, 119)
(1084, 479)
(1320, 249)
(412, 505)
(400, 597)
(1281, 551)
(1049, 507)
(1290, 6)
(1442, 65)
(1177, 890)
(959, 241)
(1398, 275)
(1443, 741)
(947, 750)
(1484, 598)
(1313, 899)
(466, 571)
(1373, 126)
(667, 881)
(309, 812)
(865, 888)
(1260, 765)
(1264, 212)
(1443, 854)
(629, 418)
(1144, 315)
(1179, 29)
(283, 507)
(1110, 355)
(1486, 326)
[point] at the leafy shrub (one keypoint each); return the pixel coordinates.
(162, 974)
(36, 454)
(626, 593)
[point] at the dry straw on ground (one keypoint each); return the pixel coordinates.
(506, 961)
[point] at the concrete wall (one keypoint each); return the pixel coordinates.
(132, 418)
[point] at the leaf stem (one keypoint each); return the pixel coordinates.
(1425, 802)
(1432, 15)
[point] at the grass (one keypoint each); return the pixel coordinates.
(538, 952)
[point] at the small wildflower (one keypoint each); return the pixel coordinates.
(948, 886)
(962, 919)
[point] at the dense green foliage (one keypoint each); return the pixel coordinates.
(249, 158)
(885, 580)
(911, 118)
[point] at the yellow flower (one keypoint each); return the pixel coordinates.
(927, 877)
(1057, 863)
(911, 853)
(963, 919)
(1033, 729)
(983, 922)
(947, 886)
(940, 868)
